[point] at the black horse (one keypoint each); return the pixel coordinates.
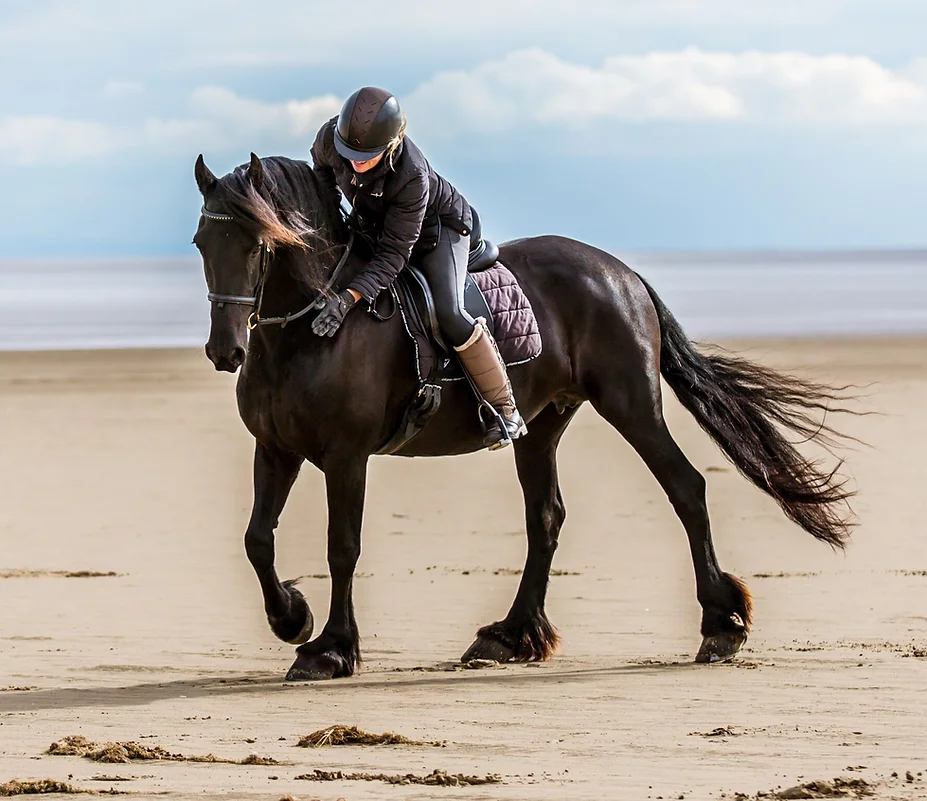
(268, 237)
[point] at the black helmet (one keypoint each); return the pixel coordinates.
(369, 120)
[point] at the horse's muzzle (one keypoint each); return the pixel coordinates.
(228, 363)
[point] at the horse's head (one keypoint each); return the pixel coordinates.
(241, 223)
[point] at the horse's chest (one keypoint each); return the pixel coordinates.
(270, 407)
(256, 407)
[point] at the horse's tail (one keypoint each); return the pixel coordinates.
(742, 406)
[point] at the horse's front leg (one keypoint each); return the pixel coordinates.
(287, 611)
(335, 652)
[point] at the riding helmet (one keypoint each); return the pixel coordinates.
(369, 120)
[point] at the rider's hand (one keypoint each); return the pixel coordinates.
(333, 314)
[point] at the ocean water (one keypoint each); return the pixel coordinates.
(161, 301)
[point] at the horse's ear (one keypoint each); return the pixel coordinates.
(256, 172)
(205, 180)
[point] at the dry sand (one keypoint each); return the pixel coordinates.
(136, 463)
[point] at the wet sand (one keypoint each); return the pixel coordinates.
(135, 463)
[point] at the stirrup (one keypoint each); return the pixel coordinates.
(499, 431)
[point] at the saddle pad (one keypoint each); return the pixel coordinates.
(513, 323)
(516, 327)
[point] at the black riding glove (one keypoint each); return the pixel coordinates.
(333, 314)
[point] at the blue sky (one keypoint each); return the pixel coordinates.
(651, 124)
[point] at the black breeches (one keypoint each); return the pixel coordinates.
(445, 268)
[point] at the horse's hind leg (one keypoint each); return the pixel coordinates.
(525, 635)
(287, 611)
(634, 408)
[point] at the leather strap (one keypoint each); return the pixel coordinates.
(239, 300)
(244, 300)
(317, 303)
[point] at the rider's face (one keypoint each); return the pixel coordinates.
(363, 166)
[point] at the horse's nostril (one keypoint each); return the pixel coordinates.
(238, 355)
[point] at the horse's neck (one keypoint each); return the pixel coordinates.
(295, 276)
(284, 292)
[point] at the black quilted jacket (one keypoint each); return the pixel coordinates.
(404, 206)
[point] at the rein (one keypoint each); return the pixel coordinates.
(255, 319)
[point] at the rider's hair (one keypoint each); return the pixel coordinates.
(394, 143)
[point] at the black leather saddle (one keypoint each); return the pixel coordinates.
(433, 356)
(419, 305)
(482, 257)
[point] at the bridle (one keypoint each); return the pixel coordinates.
(255, 319)
(238, 300)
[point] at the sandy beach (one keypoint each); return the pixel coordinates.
(134, 465)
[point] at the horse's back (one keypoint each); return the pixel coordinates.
(560, 256)
(582, 290)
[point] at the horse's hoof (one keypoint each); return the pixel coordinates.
(318, 667)
(720, 647)
(488, 648)
(529, 640)
(306, 634)
(299, 611)
(296, 673)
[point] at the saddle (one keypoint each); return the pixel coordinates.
(491, 292)
(418, 305)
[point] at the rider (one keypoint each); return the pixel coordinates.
(417, 214)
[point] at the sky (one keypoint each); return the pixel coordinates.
(630, 124)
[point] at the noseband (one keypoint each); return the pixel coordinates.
(255, 319)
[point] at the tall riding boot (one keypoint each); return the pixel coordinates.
(481, 359)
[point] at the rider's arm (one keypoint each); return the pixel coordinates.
(401, 229)
(322, 167)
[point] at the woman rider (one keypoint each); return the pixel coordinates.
(415, 214)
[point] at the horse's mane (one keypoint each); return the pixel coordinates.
(289, 209)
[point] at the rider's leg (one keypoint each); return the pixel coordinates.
(445, 267)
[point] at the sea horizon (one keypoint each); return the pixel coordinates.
(107, 302)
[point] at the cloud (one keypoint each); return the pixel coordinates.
(531, 87)
(31, 139)
(228, 32)
(293, 118)
(223, 121)
(121, 89)
(774, 88)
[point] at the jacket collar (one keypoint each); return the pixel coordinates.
(372, 181)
